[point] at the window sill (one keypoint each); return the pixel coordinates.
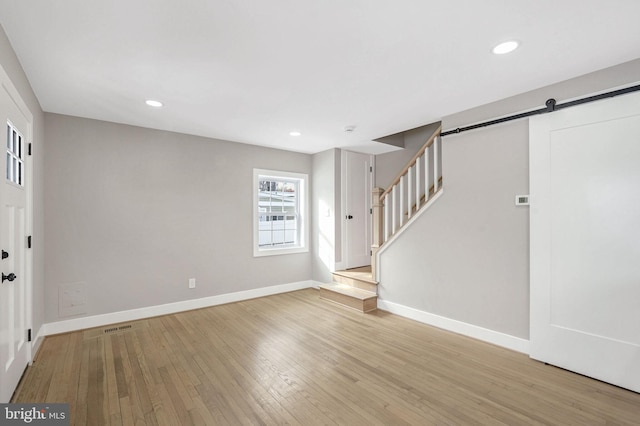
(278, 251)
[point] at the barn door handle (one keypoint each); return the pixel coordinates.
(9, 277)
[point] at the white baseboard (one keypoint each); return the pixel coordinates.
(169, 308)
(494, 337)
(37, 341)
(316, 284)
(490, 336)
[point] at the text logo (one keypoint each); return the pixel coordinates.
(34, 414)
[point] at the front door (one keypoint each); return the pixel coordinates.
(14, 347)
(356, 207)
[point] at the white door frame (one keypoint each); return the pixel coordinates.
(11, 90)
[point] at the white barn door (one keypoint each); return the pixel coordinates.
(15, 351)
(585, 239)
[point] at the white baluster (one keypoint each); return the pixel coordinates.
(409, 191)
(394, 206)
(418, 183)
(426, 175)
(401, 204)
(436, 150)
(387, 218)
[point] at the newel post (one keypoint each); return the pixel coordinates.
(377, 221)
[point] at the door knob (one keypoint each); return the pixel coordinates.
(4, 254)
(9, 277)
(349, 217)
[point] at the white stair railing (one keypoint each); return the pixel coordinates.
(410, 191)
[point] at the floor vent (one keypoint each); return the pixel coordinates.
(112, 329)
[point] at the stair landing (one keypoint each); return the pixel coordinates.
(354, 288)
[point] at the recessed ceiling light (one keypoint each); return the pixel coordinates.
(152, 103)
(506, 47)
(294, 133)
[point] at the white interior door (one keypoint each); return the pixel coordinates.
(14, 347)
(356, 192)
(585, 239)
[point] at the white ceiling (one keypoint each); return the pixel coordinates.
(252, 70)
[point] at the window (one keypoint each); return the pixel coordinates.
(280, 224)
(15, 155)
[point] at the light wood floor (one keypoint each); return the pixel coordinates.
(294, 359)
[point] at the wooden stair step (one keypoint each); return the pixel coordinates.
(359, 277)
(362, 300)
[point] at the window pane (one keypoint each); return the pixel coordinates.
(8, 136)
(264, 238)
(290, 222)
(8, 166)
(275, 229)
(289, 187)
(277, 236)
(290, 236)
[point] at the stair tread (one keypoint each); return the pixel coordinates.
(362, 274)
(349, 291)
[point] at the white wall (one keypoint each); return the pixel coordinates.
(389, 165)
(467, 258)
(15, 72)
(133, 213)
(325, 209)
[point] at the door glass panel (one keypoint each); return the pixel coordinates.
(15, 151)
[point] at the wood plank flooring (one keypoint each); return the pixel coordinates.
(294, 359)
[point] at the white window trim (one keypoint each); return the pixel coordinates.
(303, 202)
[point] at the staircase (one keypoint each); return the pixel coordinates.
(415, 188)
(353, 288)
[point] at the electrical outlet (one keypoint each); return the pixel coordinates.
(192, 283)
